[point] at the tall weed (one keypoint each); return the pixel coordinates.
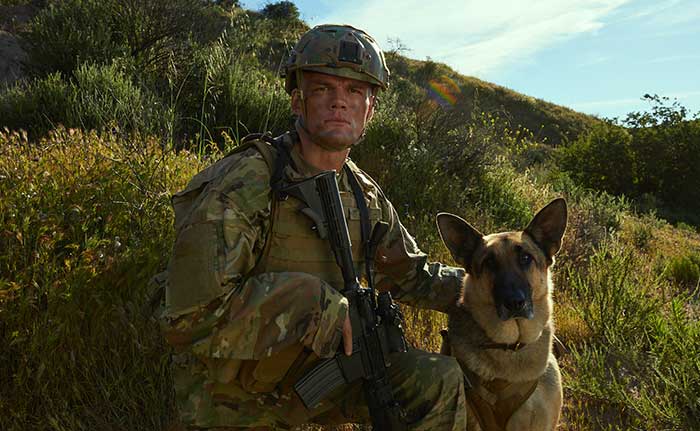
(641, 355)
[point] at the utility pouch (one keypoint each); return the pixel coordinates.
(265, 374)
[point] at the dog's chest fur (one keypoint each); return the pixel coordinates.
(466, 339)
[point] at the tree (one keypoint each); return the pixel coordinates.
(284, 10)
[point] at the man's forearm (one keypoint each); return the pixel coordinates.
(262, 316)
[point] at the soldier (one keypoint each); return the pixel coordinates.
(252, 292)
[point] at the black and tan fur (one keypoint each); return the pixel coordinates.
(501, 329)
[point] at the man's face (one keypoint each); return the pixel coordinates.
(337, 109)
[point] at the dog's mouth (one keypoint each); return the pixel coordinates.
(515, 311)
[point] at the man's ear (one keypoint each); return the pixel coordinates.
(372, 103)
(460, 237)
(548, 226)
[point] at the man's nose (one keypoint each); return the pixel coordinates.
(338, 100)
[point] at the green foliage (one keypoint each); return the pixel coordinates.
(611, 300)
(84, 221)
(642, 357)
(684, 269)
(69, 33)
(229, 92)
(653, 159)
(603, 159)
(94, 98)
(642, 235)
(283, 10)
(459, 160)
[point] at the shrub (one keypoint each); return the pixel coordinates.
(684, 269)
(38, 106)
(68, 33)
(602, 159)
(640, 360)
(95, 98)
(85, 221)
(230, 92)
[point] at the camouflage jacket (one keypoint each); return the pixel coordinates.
(219, 307)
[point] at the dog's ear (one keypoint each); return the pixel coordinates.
(460, 238)
(548, 226)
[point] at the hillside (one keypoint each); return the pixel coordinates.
(550, 123)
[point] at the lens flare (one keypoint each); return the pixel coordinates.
(444, 91)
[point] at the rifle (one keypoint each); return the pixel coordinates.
(376, 324)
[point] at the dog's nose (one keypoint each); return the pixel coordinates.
(512, 296)
(516, 305)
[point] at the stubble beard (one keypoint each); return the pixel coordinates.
(333, 142)
(330, 140)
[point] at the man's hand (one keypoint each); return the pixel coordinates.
(347, 336)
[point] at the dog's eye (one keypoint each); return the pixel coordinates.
(525, 259)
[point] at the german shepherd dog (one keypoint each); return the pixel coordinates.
(501, 329)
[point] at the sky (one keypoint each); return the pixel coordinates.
(595, 56)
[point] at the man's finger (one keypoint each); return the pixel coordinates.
(347, 336)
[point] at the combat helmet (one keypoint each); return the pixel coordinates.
(339, 50)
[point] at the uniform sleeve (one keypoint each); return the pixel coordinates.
(403, 269)
(240, 316)
(262, 316)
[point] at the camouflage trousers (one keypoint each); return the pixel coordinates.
(429, 387)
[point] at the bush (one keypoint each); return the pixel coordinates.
(640, 359)
(667, 147)
(602, 159)
(69, 33)
(95, 98)
(229, 92)
(458, 161)
(652, 158)
(85, 221)
(684, 269)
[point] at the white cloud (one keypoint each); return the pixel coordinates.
(674, 58)
(476, 37)
(671, 13)
(680, 95)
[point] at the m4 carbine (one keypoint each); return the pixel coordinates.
(376, 324)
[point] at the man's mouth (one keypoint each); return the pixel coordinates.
(337, 121)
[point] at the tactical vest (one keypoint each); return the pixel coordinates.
(291, 245)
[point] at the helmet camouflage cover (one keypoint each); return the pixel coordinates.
(339, 50)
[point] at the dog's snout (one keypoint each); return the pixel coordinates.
(517, 303)
(513, 299)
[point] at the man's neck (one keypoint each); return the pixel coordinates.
(317, 156)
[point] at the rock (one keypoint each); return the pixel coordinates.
(12, 57)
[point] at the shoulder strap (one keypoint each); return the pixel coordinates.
(364, 222)
(277, 161)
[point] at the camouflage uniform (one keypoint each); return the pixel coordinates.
(252, 302)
